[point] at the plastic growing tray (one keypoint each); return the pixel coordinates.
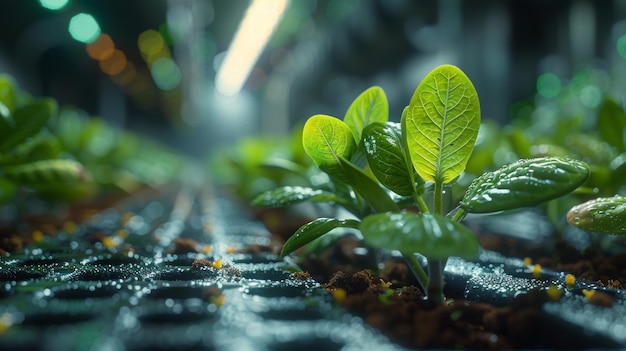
(114, 284)
(123, 280)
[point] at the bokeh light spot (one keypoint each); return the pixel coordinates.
(53, 4)
(591, 96)
(114, 64)
(150, 42)
(548, 85)
(165, 73)
(84, 28)
(101, 48)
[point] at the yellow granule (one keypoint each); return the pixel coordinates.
(37, 236)
(339, 294)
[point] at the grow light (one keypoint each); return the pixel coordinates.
(253, 34)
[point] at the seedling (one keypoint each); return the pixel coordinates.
(393, 171)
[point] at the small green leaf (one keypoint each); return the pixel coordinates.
(314, 230)
(612, 124)
(40, 147)
(605, 215)
(28, 121)
(369, 107)
(290, 195)
(7, 125)
(431, 235)
(7, 190)
(53, 172)
(325, 140)
(442, 124)
(7, 93)
(524, 183)
(383, 144)
(367, 187)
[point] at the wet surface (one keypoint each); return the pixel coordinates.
(124, 281)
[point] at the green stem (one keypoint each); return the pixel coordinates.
(435, 283)
(421, 204)
(418, 271)
(459, 215)
(438, 197)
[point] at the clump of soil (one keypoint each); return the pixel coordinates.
(406, 317)
(390, 301)
(589, 264)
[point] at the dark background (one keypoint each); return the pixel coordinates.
(321, 57)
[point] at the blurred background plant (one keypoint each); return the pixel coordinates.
(65, 156)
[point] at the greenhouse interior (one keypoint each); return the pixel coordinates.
(312, 175)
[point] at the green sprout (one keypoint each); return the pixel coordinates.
(394, 177)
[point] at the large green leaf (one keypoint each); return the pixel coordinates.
(29, 120)
(369, 107)
(605, 215)
(367, 187)
(291, 195)
(383, 144)
(612, 124)
(527, 182)
(431, 235)
(325, 140)
(442, 124)
(314, 230)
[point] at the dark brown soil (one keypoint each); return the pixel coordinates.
(401, 312)
(606, 270)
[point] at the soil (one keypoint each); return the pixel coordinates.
(390, 301)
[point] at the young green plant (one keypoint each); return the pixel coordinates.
(429, 149)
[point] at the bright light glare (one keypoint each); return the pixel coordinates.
(254, 32)
(53, 4)
(84, 28)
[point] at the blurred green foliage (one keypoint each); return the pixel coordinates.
(65, 155)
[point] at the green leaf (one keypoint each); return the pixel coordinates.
(367, 187)
(442, 124)
(7, 125)
(53, 172)
(431, 235)
(7, 190)
(369, 107)
(314, 230)
(40, 147)
(290, 195)
(325, 140)
(612, 124)
(383, 144)
(7, 93)
(527, 182)
(28, 121)
(605, 215)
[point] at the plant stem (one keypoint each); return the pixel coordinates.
(435, 283)
(459, 215)
(421, 204)
(438, 193)
(418, 271)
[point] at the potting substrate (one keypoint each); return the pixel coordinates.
(194, 269)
